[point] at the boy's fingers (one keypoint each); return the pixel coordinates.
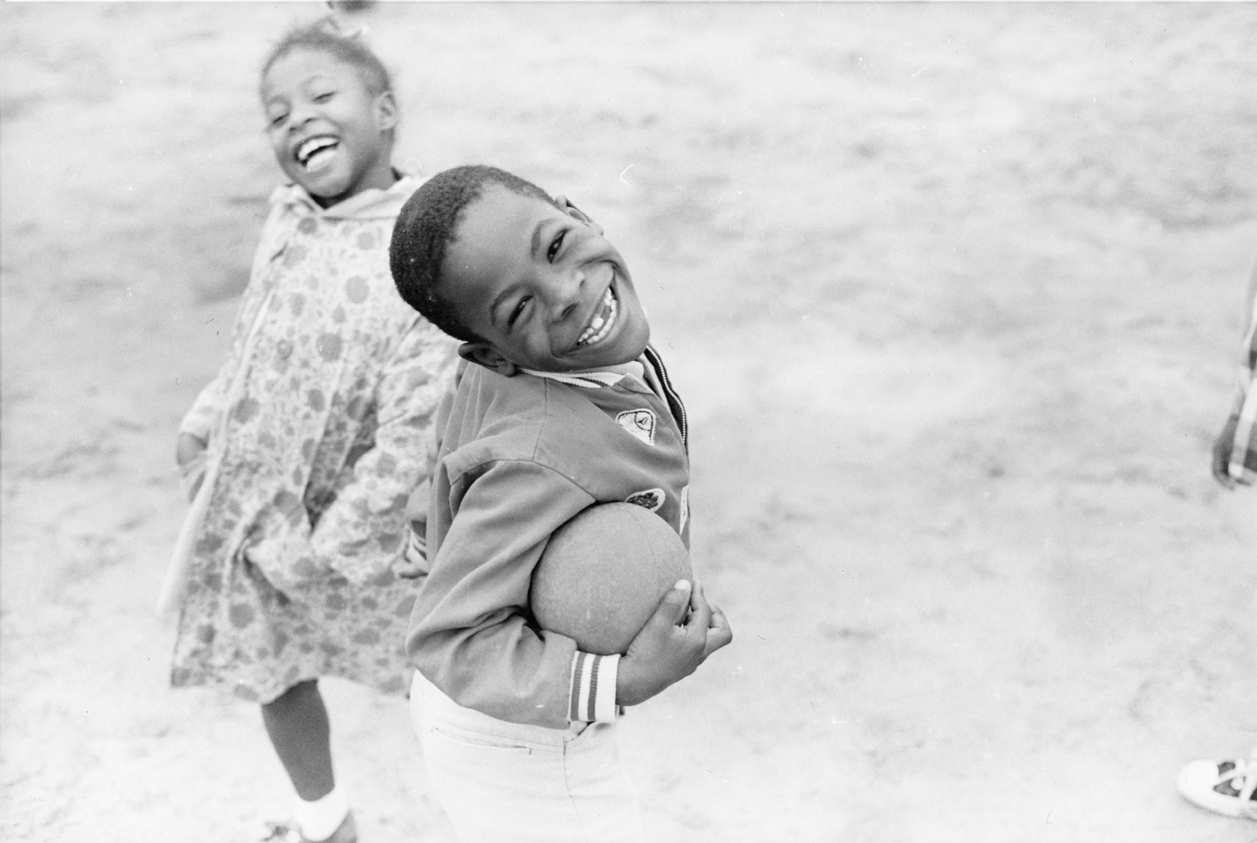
(700, 609)
(719, 633)
(673, 605)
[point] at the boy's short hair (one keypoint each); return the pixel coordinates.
(425, 228)
(323, 36)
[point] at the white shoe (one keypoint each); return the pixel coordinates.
(1224, 787)
(288, 833)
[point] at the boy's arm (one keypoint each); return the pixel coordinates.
(475, 638)
(362, 534)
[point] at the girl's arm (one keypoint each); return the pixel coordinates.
(201, 420)
(355, 536)
(1251, 311)
(1234, 445)
(363, 532)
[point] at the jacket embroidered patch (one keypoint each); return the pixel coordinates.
(640, 423)
(652, 499)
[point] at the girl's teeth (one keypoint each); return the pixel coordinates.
(313, 149)
(320, 159)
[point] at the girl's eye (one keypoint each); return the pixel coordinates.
(518, 311)
(278, 118)
(555, 245)
(323, 97)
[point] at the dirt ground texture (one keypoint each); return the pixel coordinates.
(953, 293)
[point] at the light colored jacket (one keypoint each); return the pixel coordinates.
(518, 457)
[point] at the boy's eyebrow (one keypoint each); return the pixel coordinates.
(536, 238)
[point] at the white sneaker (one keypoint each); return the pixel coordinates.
(1224, 787)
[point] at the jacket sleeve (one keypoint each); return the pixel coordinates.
(475, 638)
(363, 532)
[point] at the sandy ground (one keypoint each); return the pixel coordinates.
(953, 292)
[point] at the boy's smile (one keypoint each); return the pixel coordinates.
(329, 133)
(541, 286)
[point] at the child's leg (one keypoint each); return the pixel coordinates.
(299, 730)
(510, 783)
(298, 727)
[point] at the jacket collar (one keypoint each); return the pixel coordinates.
(595, 379)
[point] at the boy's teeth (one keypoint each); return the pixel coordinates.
(601, 324)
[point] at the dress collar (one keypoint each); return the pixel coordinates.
(369, 204)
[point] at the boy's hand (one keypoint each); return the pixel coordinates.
(1222, 452)
(671, 645)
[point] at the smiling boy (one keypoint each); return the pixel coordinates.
(560, 404)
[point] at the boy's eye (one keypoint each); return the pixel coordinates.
(324, 97)
(518, 311)
(278, 118)
(555, 245)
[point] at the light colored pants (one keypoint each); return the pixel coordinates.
(503, 782)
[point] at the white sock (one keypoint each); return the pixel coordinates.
(318, 820)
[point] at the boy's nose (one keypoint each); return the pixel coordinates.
(565, 294)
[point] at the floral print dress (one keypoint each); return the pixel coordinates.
(318, 427)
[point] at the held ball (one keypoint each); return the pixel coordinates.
(602, 575)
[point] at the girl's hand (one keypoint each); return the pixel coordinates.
(190, 457)
(414, 562)
(188, 448)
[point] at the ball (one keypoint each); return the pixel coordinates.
(602, 574)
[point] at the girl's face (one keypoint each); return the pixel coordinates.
(330, 134)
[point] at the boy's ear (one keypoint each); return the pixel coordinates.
(386, 111)
(483, 354)
(575, 212)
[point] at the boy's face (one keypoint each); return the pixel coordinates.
(542, 287)
(330, 134)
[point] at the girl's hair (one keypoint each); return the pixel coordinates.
(323, 36)
(427, 224)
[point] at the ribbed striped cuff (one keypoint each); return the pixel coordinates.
(593, 688)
